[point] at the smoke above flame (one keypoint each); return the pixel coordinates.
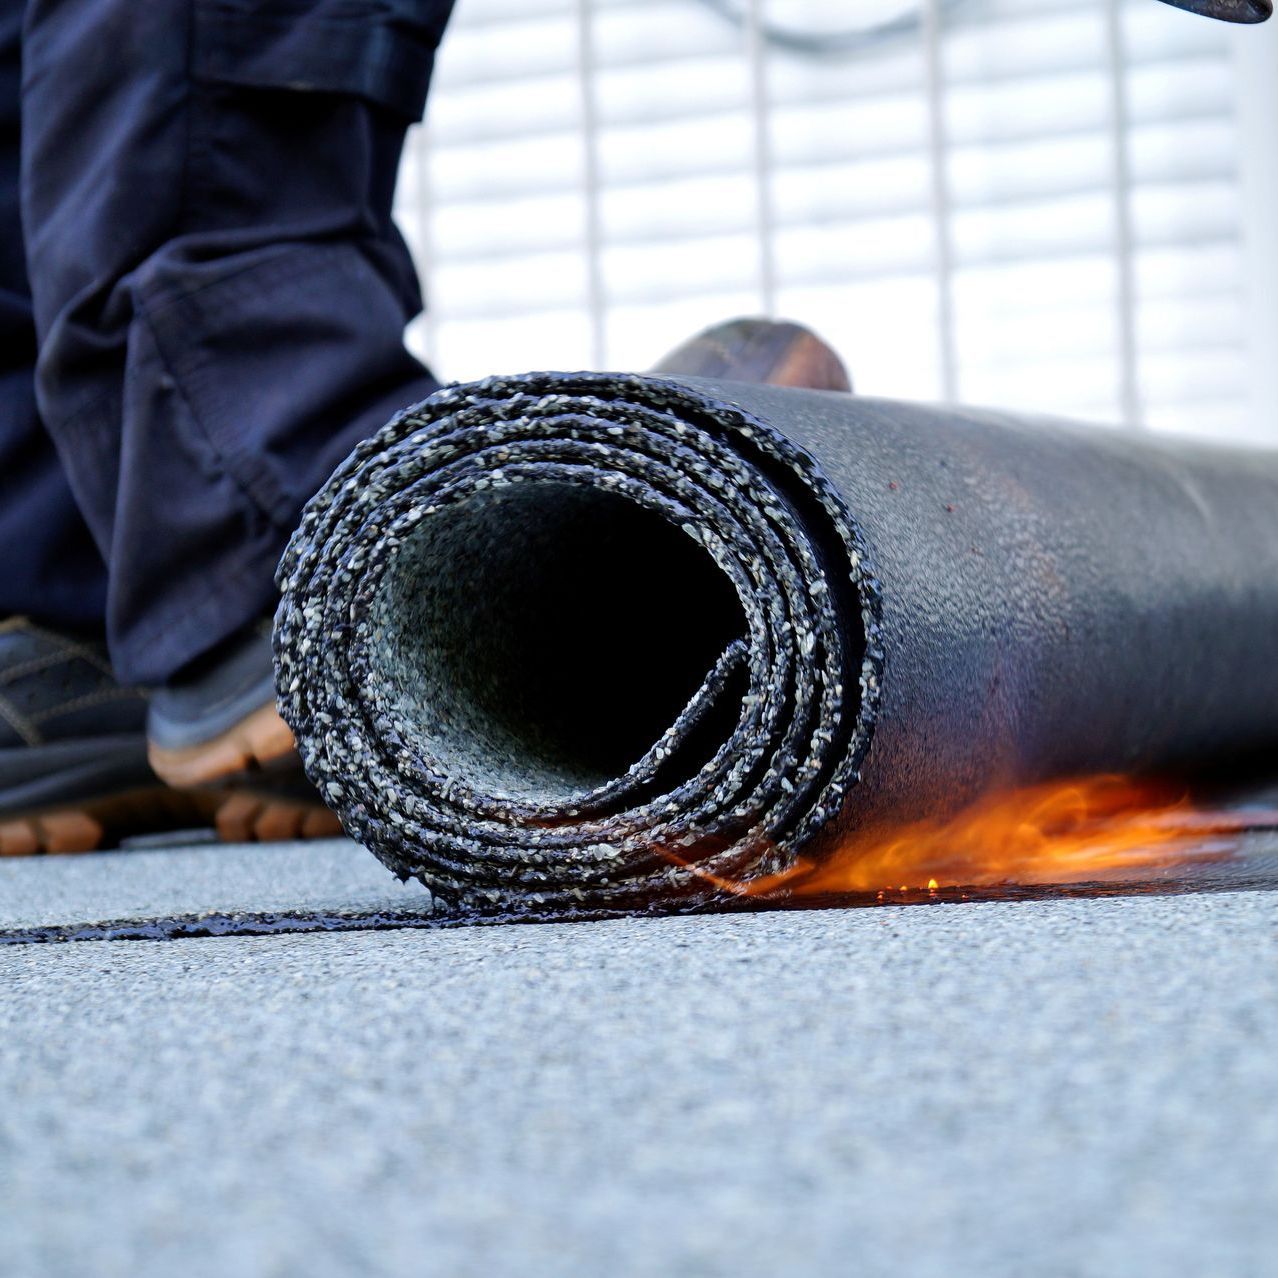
(1063, 832)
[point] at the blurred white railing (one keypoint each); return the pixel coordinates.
(1068, 205)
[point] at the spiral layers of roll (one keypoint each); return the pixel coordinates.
(403, 672)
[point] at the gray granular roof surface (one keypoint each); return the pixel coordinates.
(1066, 1087)
(330, 876)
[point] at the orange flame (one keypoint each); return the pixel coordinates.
(1057, 833)
(1062, 832)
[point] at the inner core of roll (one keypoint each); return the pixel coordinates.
(542, 636)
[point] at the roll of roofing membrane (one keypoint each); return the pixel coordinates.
(603, 641)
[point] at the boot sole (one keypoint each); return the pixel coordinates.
(230, 769)
(260, 740)
(238, 816)
(85, 824)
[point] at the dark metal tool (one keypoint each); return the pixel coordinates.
(1227, 10)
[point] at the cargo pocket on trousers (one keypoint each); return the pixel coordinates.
(382, 51)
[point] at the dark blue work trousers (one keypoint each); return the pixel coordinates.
(202, 296)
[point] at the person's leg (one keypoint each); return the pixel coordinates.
(49, 566)
(220, 293)
(68, 732)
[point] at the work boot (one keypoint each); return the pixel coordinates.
(216, 725)
(775, 352)
(73, 767)
(74, 770)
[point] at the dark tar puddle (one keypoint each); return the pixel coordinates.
(1248, 874)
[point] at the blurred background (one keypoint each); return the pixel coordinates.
(1057, 205)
